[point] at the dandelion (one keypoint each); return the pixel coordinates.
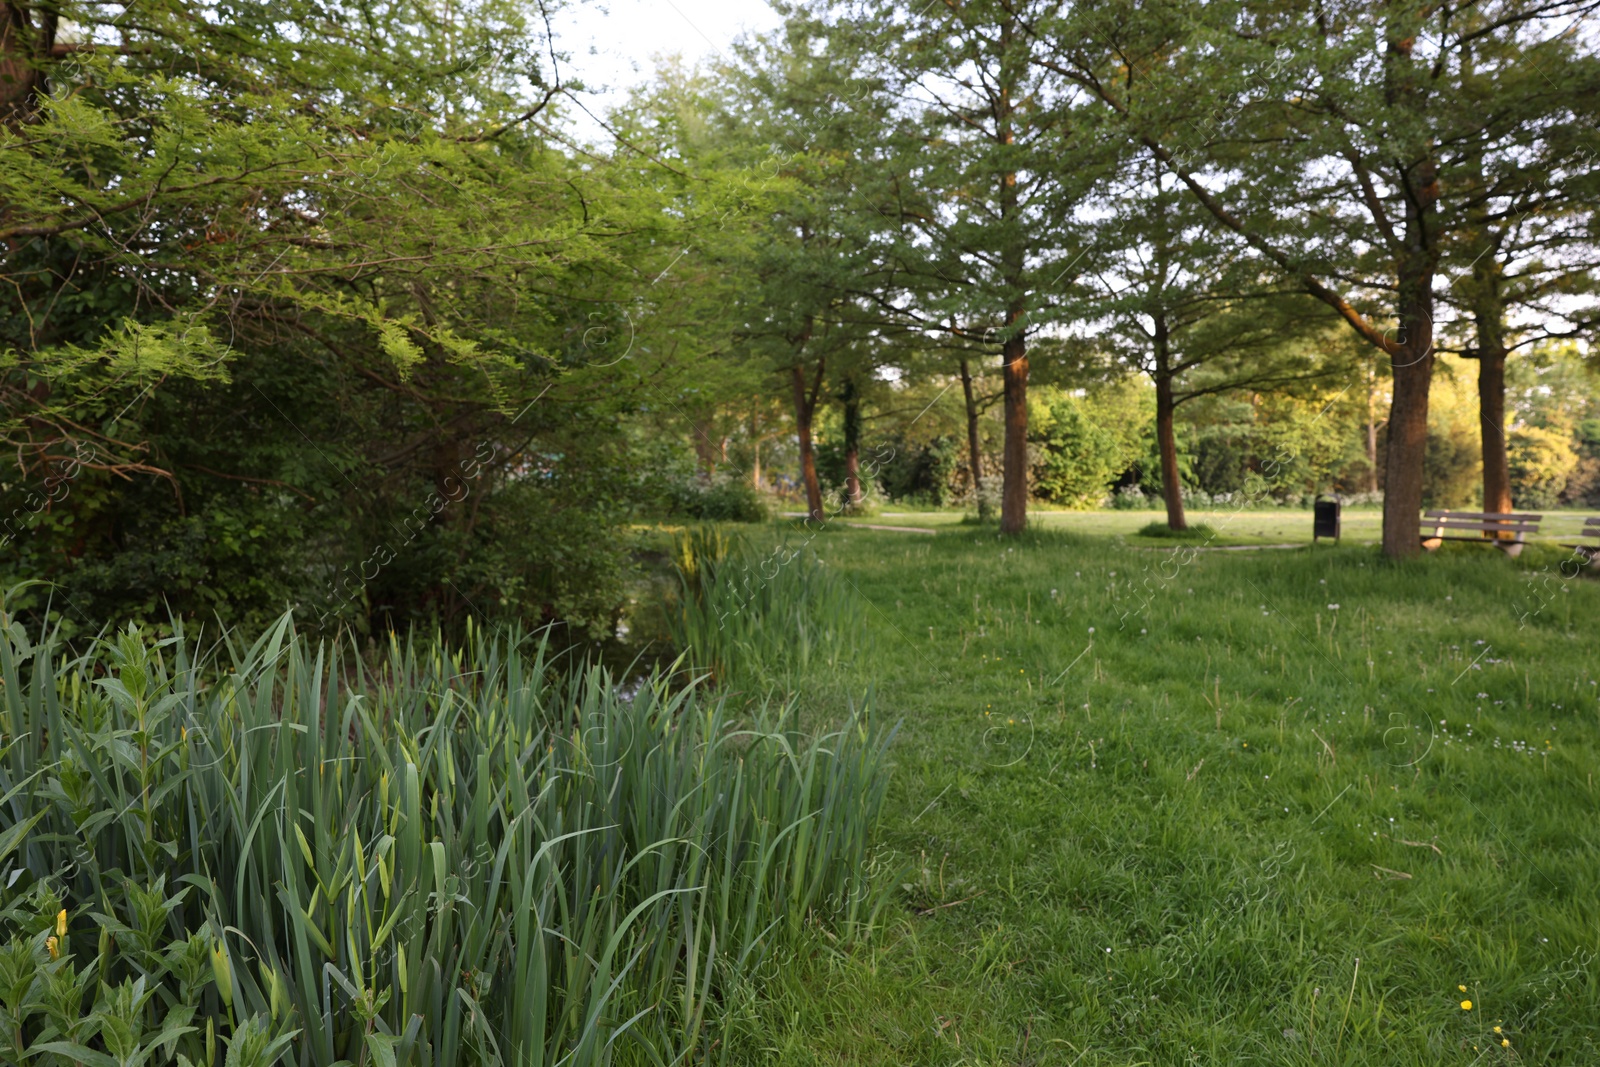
(1497, 1029)
(1460, 987)
(1505, 1042)
(1466, 1005)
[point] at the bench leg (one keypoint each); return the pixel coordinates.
(1512, 549)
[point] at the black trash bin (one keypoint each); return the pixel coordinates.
(1325, 517)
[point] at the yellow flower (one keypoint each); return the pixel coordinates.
(1466, 1005)
(1497, 1029)
(61, 923)
(1505, 1042)
(1462, 988)
(54, 946)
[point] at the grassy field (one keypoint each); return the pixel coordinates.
(1290, 807)
(1362, 525)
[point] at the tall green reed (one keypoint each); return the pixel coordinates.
(775, 620)
(456, 856)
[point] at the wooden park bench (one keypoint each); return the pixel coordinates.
(1506, 531)
(1591, 553)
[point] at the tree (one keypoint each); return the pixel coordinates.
(312, 299)
(1520, 186)
(985, 213)
(1196, 316)
(1318, 144)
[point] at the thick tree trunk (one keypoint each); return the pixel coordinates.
(974, 452)
(705, 447)
(1488, 316)
(1407, 453)
(804, 408)
(1014, 480)
(1166, 439)
(24, 50)
(1014, 349)
(1492, 424)
(1417, 260)
(852, 442)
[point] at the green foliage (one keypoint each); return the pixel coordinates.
(919, 473)
(721, 499)
(1541, 462)
(1080, 455)
(454, 857)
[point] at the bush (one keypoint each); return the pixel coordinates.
(456, 858)
(1541, 462)
(917, 473)
(720, 500)
(1133, 498)
(1079, 459)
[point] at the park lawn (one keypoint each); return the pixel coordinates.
(1363, 525)
(1279, 807)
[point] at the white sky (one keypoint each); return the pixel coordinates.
(611, 42)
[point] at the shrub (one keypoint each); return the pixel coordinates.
(1079, 459)
(1541, 462)
(456, 857)
(720, 500)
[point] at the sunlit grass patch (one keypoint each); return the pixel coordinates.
(1156, 805)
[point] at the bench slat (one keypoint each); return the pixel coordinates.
(1487, 527)
(1526, 516)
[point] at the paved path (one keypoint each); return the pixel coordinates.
(869, 525)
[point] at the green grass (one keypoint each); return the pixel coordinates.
(1154, 807)
(1160, 531)
(1363, 525)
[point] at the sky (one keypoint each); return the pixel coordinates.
(611, 42)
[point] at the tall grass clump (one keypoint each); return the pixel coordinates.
(765, 620)
(275, 851)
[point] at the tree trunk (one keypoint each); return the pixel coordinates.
(1492, 423)
(974, 453)
(1412, 358)
(1171, 481)
(24, 50)
(852, 442)
(1372, 433)
(1489, 325)
(755, 451)
(1014, 481)
(1408, 450)
(804, 408)
(705, 447)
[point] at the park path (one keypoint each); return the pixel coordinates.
(869, 525)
